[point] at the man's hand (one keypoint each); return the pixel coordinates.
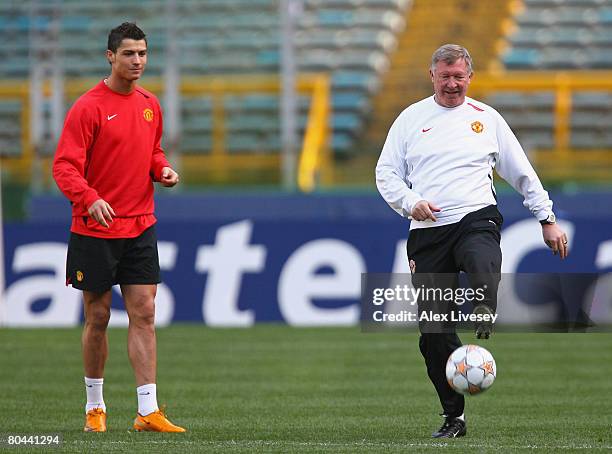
(169, 177)
(556, 239)
(101, 212)
(424, 210)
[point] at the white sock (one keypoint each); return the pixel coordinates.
(147, 399)
(93, 388)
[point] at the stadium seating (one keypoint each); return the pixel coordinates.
(560, 35)
(348, 39)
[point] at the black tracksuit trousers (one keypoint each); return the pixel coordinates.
(472, 246)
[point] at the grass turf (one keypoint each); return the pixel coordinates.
(280, 389)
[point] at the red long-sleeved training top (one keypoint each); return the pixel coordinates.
(110, 149)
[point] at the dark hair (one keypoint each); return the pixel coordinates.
(127, 30)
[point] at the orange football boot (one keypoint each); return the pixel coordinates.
(95, 421)
(155, 422)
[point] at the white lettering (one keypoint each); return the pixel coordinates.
(400, 262)
(65, 306)
(461, 317)
(225, 262)
(518, 240)
(524, 237)
(431, 316)
(604, 255)
(402, 316)
(601, 310)
(299, 285)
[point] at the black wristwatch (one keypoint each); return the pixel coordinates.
(550, 219)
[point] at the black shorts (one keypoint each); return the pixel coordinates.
(96, 264)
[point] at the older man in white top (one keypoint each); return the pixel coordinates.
(436, 168)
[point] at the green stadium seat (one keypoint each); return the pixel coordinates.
(11, 107)
(355, 80)
(350, 102)
(347, 122)
(590, 120)
(342, 142)
(605, 16)
(9, 147)
(592, 100)
(589, 139)
(226, 37)
(562, 58)
(75, 24)
(195, 124)
(196, 143)
(521, 58)
(602, 37)
(10, 127)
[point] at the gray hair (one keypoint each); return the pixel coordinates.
(449, 54)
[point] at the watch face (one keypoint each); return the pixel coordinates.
(551, 218)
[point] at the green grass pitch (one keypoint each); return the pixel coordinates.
(279, 389)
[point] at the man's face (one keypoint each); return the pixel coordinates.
(130, 59)
(450, 82)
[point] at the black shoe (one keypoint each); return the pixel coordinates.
(452, 428)
(484, 329)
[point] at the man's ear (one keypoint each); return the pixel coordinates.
(110, 56)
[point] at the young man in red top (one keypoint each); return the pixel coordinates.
(107, 158)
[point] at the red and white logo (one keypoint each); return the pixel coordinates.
(477, 127)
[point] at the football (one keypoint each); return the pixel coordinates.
(470, 369)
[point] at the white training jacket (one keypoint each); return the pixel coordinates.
(446, 156)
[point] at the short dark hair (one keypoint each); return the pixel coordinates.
(127, 30)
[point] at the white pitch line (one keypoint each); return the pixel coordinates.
(337, 444)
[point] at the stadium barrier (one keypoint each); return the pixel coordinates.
(296, 260)
(562, 162)
(315, 164)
